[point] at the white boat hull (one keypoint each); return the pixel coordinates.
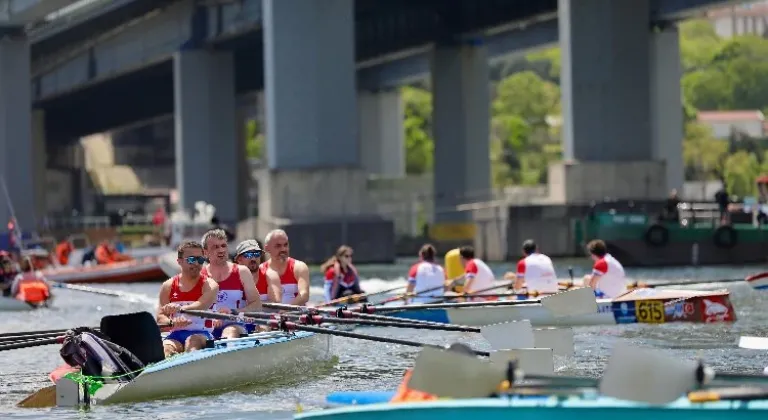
(232, 364)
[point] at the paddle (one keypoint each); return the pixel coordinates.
(360, 297)
(568, 303)
(287, 326)
(106, 292)
(421, 292)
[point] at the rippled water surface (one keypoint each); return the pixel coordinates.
(365, 365)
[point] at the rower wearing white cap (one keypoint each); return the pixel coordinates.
(249, 254)
(535, 271)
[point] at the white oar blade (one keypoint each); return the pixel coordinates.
(509, 335)
(754, 343)
(560, 340)
(644, 375)
(572, 302)
(531, 361)
(454, 375)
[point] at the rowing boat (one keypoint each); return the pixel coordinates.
(139, 270)
(645, 306)
(544, 408)
(230, 364)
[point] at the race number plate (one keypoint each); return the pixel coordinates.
(650, 311)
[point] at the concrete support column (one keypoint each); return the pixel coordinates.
(382, 135)
(313, 153)
(606, 103)
(207, 146)
(667, 119)
(461, 129)
(21, 153)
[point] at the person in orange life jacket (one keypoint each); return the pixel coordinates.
(30, 285)
(106, 253)
(63, 251)
(341, 277)
(237, 288)
(294, 274)
(405, 394)
(249, 253)
(188, 290)
(8, 271)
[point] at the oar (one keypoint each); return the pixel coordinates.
(421, 292)
(306, 319)
(105, 292)
(22, 340)
(477, 293)
(281, 324)
(32, 343)
(360, 297)
(25, 333)
(341, 312)
(27, 337)
(643, 285)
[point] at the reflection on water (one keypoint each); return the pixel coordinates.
(375, 366)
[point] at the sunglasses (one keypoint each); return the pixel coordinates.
(251, 254)
(192, 260)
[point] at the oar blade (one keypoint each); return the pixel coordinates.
(43, 398)
(574, 302)
(454, 375)
(509, 335)
(754, 343)
(560, 340)
(638, 374)
(535, 361)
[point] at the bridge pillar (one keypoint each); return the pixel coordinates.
(382, 136)
(206, 134)
(313, 152)
(608, 100)
(22, 145)
(461, 129)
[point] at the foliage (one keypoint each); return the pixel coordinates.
(254, 140)
(419, 145)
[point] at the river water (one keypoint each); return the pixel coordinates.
(372, 366)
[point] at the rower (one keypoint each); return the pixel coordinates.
(341, 278)
(425, 275)
(249, 254)
(294, 274)
(535, 271)
(189, 290)
(607, 276)
(477, 274)
(237, 289)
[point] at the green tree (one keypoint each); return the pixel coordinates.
(741, 170)
(419, 146)
(703, 155)
(254, 140)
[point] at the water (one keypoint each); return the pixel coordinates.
(371, 366)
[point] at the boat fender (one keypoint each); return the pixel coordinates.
(657, 235)
(726, 237)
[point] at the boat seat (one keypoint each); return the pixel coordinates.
(137, 332)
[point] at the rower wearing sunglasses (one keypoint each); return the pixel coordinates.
(237, 289)
(249, 254)
(190, 290)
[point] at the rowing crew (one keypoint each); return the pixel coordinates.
(209, 282)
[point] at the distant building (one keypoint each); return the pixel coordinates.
(741, 19)
(725, 124)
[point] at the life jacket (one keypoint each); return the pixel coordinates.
(63, 250)
(32, 289)
(104, 254)
(96, 356)
(405, 394)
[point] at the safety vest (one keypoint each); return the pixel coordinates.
(32, 289)
(405, 394)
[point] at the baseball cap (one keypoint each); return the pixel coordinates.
(247, 245)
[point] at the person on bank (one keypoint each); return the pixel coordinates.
(341, 278)
(535, 271)
(607, 277)
(426, 278)
(477, 274)
(188, 290)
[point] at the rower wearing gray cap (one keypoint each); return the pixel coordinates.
(249, 254)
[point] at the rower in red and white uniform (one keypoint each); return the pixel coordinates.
(237, 289)
(477, 274)
(294, 274)
(535, 271)
(188, 290)
(426, 278)
(249, 254)
(607, 276)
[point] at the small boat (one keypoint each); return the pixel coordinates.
(134, 271)
(646, 306)
(540, 408)
(226, 364)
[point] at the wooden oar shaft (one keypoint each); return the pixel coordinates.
(291, 326)
(358, 297)
(308, 319)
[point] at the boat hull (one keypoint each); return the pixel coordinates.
(231, 364)
(144, 270)
(9, 304)
(652, 306)
(543, 408)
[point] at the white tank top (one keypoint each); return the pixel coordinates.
(426, 275)
(612, 281)
(538, 272)
(483, 276)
